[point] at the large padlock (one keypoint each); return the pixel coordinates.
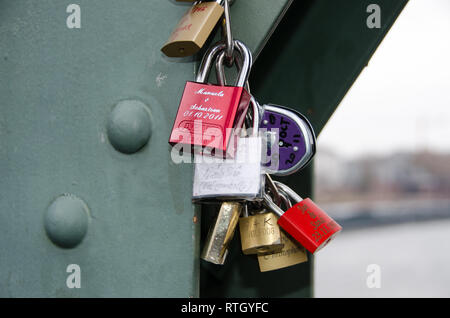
(194, 28)
(239, 178)
(291, 140)
(211, 116)
(260, 233)
(305, 221)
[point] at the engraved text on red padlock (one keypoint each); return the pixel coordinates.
(208, 115)
(211, 116)
(309, 225)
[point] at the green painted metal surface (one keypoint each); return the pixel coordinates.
(58, 87)
(309, 64)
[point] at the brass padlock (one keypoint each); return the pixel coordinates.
(193, 29)
(260, 233)
(221, 233)
(291, 254)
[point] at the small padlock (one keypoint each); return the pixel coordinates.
(305, 221)
(239, 178)
(194, 28)
(210, 116)
(221, 233)
(260, 233)
(292, 252)
(295, 142)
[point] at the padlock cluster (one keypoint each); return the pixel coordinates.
(238, 144)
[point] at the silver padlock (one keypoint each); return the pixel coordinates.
(240, 178)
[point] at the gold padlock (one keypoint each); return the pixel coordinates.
(193, 29)
(221, 233)
(260, 233)
(291, 254)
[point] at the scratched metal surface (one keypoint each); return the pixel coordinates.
(57, 88)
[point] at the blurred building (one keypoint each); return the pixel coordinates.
(394, 176)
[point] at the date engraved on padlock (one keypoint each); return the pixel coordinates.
(260, 233)
(296, 140)
(291, 254)
(208, 114)
(322, 227)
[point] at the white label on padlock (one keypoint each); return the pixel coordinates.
(239, 178)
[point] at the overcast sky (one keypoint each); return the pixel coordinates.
(401, 101)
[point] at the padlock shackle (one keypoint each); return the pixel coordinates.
(283, 194)
(220, 69)
(272, 205)
(207, 62)
(291, 193)
(220, 72)
(245, 213)
(273, 189)
(243, 65)
(226, 26)
(256, 116)
(210, 57)
(285, 199)
(221, 80)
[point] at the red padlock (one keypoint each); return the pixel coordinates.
(211, 115)
(305, 221)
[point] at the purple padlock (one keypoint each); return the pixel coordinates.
(296, 140)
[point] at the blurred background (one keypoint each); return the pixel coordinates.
(383, 166)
